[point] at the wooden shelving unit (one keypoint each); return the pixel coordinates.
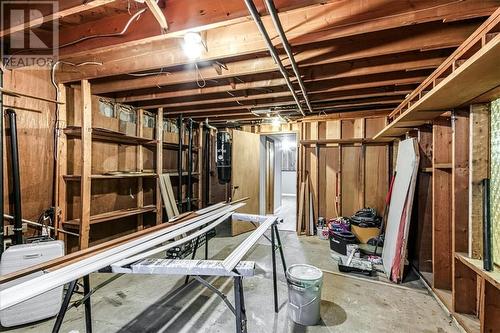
(109, 216)
(474, 64)
(187, 178)
(86, 133)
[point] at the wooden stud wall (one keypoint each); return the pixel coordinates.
(441, 212)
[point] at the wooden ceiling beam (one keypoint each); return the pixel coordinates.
(400, 62)
(267, 104)
(65, 8)
(182, 16)
(246, 40)
(278, 85)
(339, 19)
(372, 112)
(315, 97)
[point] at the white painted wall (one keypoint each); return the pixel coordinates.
(288, 182)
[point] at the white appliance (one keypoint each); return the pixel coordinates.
(42, 306)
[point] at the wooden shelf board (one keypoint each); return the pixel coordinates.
(480, 74)
(105, 135)
(470, 323)
(175, 146)
(175, 173)
(442, 165)
(104, 217)
(477, 266)
(342, 141)
(112, 176)
(445, 297)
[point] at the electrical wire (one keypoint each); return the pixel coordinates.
(198, 76)
(136, 16)
(53, 80)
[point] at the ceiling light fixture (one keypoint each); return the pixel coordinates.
(193, 44)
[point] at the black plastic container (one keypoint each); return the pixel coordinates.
(340, 240)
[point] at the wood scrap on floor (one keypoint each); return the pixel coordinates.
(168, 197)
(398, 220)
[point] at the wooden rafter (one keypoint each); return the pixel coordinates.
(278, 85)
(167, 53)
(341, 18)
(373, 65)
(66, 8)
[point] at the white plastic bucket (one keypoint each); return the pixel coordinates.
(304, 293)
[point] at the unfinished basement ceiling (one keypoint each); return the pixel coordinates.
(352, 55)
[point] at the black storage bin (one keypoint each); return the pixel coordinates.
(340, 240)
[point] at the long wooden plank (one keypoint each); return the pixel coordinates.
(300, 215)
(170, 194)
(86, 165)
(159, 164)
(237, 255)
(61, 166)
(41, 284)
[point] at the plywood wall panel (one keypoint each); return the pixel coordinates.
(376, 177)
(352, 180)
(35, 121)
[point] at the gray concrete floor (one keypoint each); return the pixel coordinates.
(288, 213)
(133, 303)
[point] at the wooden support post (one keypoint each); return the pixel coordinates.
(441, 204)
(479, 155)
(159, 164)
(86, 169)
(201, 171)
(460, 180)
(61, 165)
(140, 168)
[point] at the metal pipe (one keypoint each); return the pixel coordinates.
(190, 166)
(288, 49)
(179, 164)
(256, 17)
(487, 255)
(206, 174)
(1, 165)
(9, 217)
(16, 180)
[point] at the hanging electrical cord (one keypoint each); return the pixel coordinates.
(198, 76)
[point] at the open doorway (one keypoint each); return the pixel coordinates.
(278, 161)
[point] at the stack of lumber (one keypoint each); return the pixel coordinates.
(65, 269)
(305, 217)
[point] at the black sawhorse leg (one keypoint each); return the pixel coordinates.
(275, 236)
(67, 299)
(239, 305)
